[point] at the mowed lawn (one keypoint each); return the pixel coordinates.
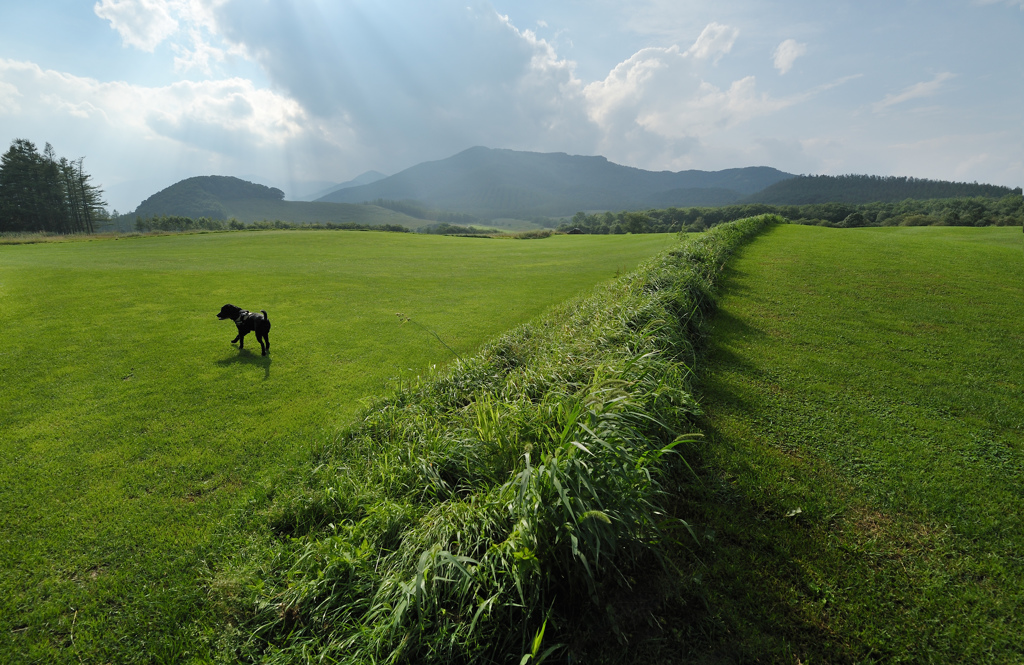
(865, 411)
(130, 429)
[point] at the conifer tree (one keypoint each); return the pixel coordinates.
(41, 193)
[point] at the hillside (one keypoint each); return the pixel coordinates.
(224, 197)
(490, 183)
(869, 189)
(205, 196)
(363, 179)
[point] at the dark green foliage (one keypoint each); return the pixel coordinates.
(40, 193)
(177, 223)
(868, 188)
(451, 229)
(520, 490)
(265, 225)
(976, 211)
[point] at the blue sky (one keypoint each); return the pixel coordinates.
(298, 93)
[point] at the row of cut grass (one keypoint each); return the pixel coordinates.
(490, 511)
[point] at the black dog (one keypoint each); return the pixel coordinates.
(248, 322)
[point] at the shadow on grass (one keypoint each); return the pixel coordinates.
(761, 585)
(753, 591)
(734, 282)
(247, 357)
(747, 593)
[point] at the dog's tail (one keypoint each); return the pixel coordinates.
(265, 315)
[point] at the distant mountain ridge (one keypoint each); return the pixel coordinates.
(494, 183)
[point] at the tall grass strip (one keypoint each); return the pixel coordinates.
(468, 514)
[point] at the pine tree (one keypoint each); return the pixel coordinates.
(39, 192)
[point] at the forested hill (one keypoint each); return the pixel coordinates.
(804, 190)
(204, 196)
(490, 183)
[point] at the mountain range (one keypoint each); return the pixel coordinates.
(506, 188)
(492, 183)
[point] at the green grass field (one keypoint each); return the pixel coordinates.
(863, 481)
(130, 428)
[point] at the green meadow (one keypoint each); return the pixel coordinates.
(862, 482)
(856, 498)
(130, 429)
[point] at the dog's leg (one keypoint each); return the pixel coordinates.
(241, 340)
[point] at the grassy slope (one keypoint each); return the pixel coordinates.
(309, 212)
(129, 427)
(865, 410)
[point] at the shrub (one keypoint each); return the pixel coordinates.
(919, 220)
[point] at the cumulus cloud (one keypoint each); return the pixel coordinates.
(139, 139)
(188, 25)
(9, 98)
(143, 24)
(714, 41)
(786, 54)
(916, 91)
(658, 90)
(231, 106)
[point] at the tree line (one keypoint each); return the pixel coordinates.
(181, 223)
(41, 193)
(973, 211)
(865, 188)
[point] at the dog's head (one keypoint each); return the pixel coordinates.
(229, 312)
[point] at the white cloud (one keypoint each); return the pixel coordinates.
(658, 90)
(189, 25)
(199, 56)
(786, 54)
(916, 91)
(627, 83)
(9, 95)
(207, 108)
(143, 24)
(139, 139)
(715, 40)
